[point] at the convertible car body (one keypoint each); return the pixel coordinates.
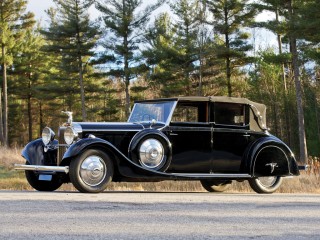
(211, 139)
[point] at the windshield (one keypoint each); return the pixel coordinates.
(147, 111)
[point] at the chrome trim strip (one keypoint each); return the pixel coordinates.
(113, 130)
(41, 168)
(212, 175)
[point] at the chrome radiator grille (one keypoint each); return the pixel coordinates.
(62, 145)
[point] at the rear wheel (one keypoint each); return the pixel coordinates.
(40, 185)
(215, 186)
(91, 171)
(265, 184)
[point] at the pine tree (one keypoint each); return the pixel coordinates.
(160, 55)
(176, 54)
(72, 36)
(13, 21)
(28, 73)
(230, 17)
(187, 26)
(124, 27)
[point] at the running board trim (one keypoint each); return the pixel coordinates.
(213, 175)
(64, 169)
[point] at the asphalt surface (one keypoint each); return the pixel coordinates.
(141, 215)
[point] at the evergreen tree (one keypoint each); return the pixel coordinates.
(187, 26)
(178, 49)
(28, 73)
(72, 36)
(230, 17)
(13, 21)
(309, 27)
(124, 27)
(160, 55)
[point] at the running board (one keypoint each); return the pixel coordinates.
(63, 169)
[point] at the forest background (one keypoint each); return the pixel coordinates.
(96, 66)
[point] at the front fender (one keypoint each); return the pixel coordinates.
(269, 156)
(35, 154)
(76, 148)
(125, 166)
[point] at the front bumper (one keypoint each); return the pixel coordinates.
(64, 169)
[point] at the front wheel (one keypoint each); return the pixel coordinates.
(91, 171)
(265, 184)
(215, 186)
(46, 186)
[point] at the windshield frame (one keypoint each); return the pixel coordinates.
(156, 102)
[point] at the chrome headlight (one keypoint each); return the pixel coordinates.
(47, 135)
(70, 135)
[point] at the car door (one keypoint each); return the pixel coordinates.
(230, 136)
(190, 134)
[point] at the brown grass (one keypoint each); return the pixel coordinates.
(307, 182)
(10, 156)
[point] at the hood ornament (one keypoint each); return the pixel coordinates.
(69, 114)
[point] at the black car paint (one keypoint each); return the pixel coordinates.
(199, 150)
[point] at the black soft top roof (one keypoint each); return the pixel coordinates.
(260, 107)
(257, 115)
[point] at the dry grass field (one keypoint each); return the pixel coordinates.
(307, 182)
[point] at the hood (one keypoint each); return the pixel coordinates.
(113, 126)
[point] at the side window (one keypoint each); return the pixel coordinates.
(230, 114)
(187, 112)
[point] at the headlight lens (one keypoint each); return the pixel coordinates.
(70, 135)
(47, 135)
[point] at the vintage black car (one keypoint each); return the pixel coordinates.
(211, 139)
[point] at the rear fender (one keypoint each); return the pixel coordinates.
(269, 156)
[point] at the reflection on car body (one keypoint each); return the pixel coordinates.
(215, 140)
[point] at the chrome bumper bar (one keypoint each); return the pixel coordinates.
(41, 168)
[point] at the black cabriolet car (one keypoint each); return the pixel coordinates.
(215, 140)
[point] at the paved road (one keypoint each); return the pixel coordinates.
(141, 215)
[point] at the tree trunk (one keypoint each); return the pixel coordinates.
(287, 128)
(30, 117)
(126, 65)
(5, 98)
(40, 118)
(302, 136)
(1, 120)
(228, 61)
(83, 105)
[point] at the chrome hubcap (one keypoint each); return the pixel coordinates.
(151, 153)
(267, 181)
(93, 170)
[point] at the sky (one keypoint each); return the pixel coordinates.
(39, 6)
